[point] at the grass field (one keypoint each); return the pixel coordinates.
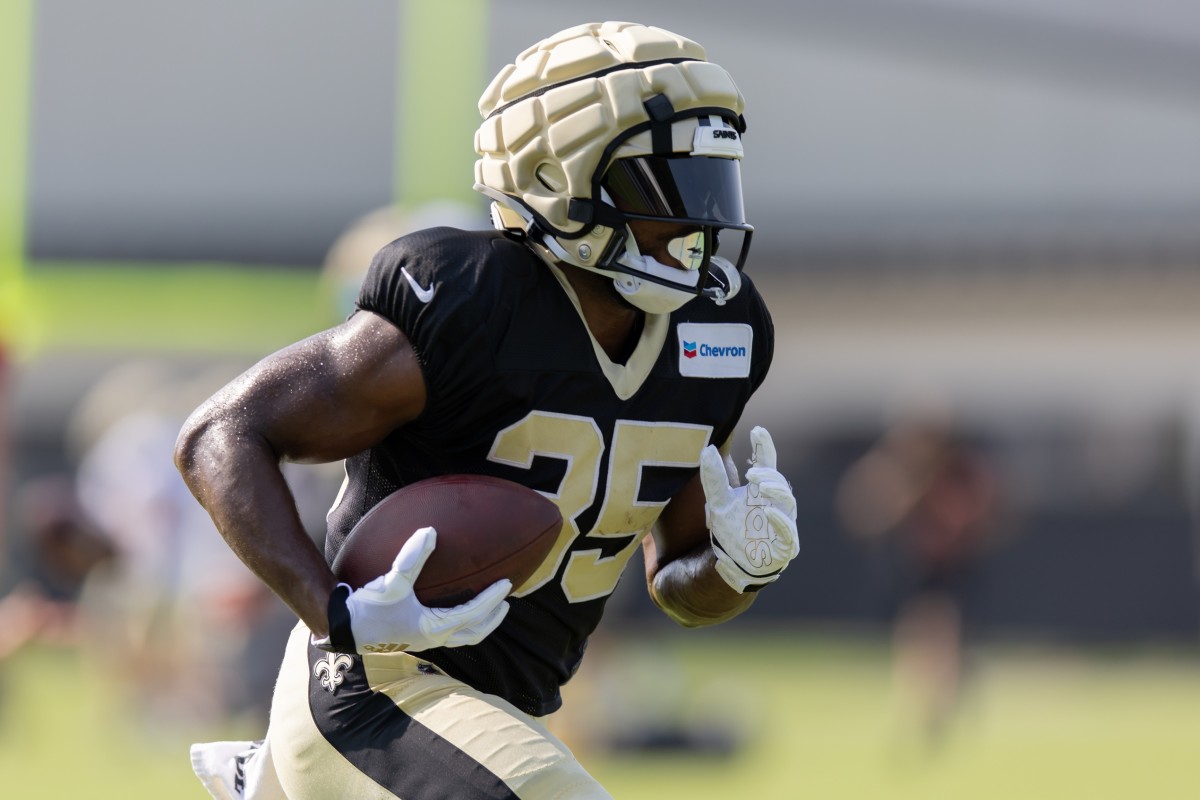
(818, 717)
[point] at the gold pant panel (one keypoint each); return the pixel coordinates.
(517, 749)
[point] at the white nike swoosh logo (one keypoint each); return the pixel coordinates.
(424, 295)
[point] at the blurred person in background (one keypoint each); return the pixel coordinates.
(931, 500)
(5, 445)
(191, 632)
(1189, 475)
(56, 550)
(4, 456)
(594, 343)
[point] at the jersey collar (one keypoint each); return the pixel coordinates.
(626, 378)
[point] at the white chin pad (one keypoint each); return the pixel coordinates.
(653, 298)
(651, 266)
(688, 250)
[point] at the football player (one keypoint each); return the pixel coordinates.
(599, 346)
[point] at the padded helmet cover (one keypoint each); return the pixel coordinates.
(556, 118)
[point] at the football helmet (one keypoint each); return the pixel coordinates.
(606, 123)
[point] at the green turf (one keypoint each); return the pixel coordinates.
(63, 735)
(212, 308)
(818, 716)
(1034, 725)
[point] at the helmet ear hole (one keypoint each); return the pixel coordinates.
(552, 177)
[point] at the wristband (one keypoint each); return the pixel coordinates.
(341, 635)
(749, 583)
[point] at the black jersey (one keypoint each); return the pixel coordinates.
(517, 388)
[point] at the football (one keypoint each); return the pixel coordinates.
(487, 529)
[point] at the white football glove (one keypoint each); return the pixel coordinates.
(385, 615)
(752, 527)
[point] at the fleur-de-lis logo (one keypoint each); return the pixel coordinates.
(330, 669)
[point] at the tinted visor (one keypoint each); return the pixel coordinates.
(700, 188)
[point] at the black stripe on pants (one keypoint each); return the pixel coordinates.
(390, 747)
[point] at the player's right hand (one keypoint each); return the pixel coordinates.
(386, 616)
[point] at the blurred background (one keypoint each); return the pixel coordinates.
(978, 228)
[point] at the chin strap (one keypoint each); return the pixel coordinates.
(341, 635)
(653, 298)
(649, 296)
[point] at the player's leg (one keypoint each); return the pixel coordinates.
(391, 726)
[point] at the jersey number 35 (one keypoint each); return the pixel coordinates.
(579, 442)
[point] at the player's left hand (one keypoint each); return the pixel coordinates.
(752, 527)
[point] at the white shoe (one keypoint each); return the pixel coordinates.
(237, 770)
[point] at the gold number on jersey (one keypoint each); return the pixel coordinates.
(578, 441)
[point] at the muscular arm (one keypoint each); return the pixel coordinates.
(322, 399)
(681, 568)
